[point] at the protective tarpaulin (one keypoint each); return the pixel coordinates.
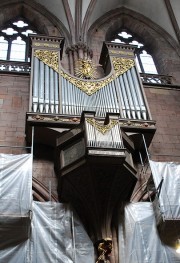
(15, 199)
(169, 197)
(138, 237)
(15, 184)
(56, 236)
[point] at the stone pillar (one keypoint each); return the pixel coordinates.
(76, 52)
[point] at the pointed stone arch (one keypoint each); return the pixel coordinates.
(40, 17)
(164, 49)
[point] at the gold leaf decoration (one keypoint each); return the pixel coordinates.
(85, 69)
(121, 65)
(102, 128)
(49, 58)
(119, 52)
(89, 87)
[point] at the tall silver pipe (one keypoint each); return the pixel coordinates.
(69, 97)
(121, 98)
(112, 98)
(47, 89)
(104, 102)
(73, 99)
(51, 90)
(128, 92)
(65, 96)
(108, 100)
(77, 103)
(134, 95)
(115, 96)
(139, 93)
(35, 85)
(95, 103)
(125, 97)
(56, 95)
(100, 103)
(41, 87)
(62, 95)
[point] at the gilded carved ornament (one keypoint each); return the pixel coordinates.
(85, 69)
(121, 65)
(49, 58)
(102, 128)
(89, 87)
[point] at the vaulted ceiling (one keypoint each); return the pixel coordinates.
(78, 16)
(77, 13)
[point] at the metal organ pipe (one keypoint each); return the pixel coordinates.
(112, 138)
(139, 93)
(123, 93)
(125, 98)
(74, 101)
(51, 90)
(56, 95)
(128, 92)
(46, 89)
(35, 85)
(122, 96)
(41, 86)
(134, 95)
(114, 98)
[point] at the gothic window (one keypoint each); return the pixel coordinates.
(144, 60)
(14, 40)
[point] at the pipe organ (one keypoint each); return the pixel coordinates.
(54, 91)
(94, 125)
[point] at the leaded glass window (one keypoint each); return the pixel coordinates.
(14, 40)
(144, 60)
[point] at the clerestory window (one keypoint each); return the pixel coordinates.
(144, 60)
(14, 40)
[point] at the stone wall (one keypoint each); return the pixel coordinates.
(14, 103)
(14, 100)
(165, 109)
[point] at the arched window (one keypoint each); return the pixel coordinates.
(144, 60)
(14, 40)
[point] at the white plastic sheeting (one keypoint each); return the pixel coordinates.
(56, 236)
(15, 184)
(138, 237)
(169, 198)
(15, 199)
